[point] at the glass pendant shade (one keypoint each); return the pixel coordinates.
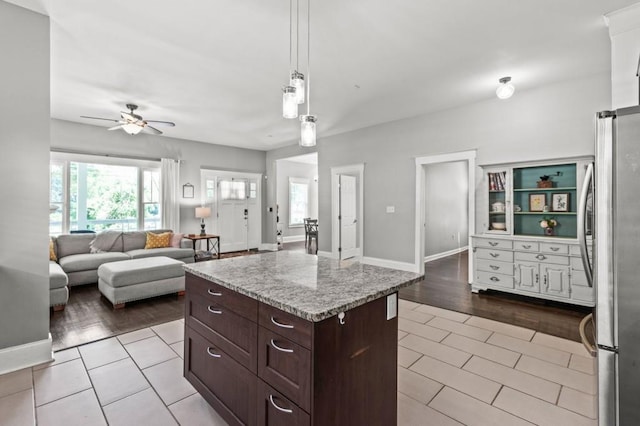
(297, 81)
(132, 129)
(505, 89)
(308, 130)
(289, 103)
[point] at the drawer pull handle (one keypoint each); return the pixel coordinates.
(213, 354)
(494, 267)
(279, 324)
(213, 293)
(526, 246)
(284, 410)
(494, 254)
(494, 279)
(541, 257)
(214, 311)
(493, 243)
(289, 351)
(554, 248)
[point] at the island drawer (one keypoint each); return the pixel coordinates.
(491, 254)
(546, 258)
(222, 296)
(494, 279)
(275, 409)
(234, 334)
(495, 266)
(290, 326)
(286, 366)
(220, 380)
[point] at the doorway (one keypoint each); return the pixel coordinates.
(347, 189)
(235, 201)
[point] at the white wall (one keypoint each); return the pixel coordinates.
(285, 170)
(24, 140)
(551, 122)
(446, 207)
(66, 135)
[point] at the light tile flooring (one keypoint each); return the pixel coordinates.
(453, 369)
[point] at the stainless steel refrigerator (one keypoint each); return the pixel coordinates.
(614, 263)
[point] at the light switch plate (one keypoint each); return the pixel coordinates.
(392, 306)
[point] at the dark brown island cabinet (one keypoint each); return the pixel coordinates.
(258, 365)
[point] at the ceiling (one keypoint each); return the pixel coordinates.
(216, 68)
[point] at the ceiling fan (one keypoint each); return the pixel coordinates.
(133, 123)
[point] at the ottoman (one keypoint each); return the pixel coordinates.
(136, 279)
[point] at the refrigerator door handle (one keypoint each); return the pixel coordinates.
(589, 346)
(582, 214)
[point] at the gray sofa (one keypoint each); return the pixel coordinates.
(80, 266)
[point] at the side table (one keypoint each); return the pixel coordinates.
(213, 243)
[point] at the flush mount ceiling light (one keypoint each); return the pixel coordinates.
(505, 88)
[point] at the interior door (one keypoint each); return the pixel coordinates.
(348, 217)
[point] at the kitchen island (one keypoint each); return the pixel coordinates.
(293, 339)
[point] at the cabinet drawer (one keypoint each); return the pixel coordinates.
(286, 366)
(234, 334)
(578, 278)
(554, 248)
(576, 264)
(539, 257)
(494, 266)
(490, 254)
(494, 279)
(288, 325)
(226, 385)
(493, 243)
(275, 409)
(574, 250)
(526, 246)
(221, 296)
(585, 294)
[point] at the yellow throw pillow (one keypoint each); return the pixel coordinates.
(52, 252)
(158, 240)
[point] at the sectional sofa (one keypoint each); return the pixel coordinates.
(78, 261)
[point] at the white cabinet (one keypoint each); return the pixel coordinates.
(531, 266)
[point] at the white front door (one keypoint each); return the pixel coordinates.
(348, 217)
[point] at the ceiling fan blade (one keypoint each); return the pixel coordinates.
(115, 127)
(161, 123)
(100, 118)
(152, 130)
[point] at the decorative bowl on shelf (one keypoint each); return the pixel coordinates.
(498, 226)
(497, 207)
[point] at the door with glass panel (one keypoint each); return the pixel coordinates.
(238, 215)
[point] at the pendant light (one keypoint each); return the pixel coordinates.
(505, 88)
(289, 103)
(308, 121)
(297, 78)
(289, 93)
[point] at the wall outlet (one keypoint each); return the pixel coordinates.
(392, 306)
(391, 209)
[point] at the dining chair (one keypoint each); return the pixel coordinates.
(311, 232)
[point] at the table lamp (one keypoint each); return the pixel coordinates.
(201, 213)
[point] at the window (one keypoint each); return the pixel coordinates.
(233, 189)
(298, 201)
(96, 196)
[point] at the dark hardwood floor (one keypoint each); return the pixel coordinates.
(89, 317)
(446, 286)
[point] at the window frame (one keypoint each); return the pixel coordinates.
(297, 181)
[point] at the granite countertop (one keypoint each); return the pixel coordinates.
(310, 287)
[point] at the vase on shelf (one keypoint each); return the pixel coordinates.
(548, 232)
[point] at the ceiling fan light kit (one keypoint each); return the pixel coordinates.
(133, 123)
(505, 88)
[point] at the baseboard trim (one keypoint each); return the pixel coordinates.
(293, 238)
(268, 247)
(437, 256)
(392, 264)
(327, 254)
(27, 355)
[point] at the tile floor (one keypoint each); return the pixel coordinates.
(453, 369)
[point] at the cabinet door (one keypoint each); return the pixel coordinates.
(498, 187)
(528, 276)
(555, 279)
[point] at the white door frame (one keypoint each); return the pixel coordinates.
(470, 158)
(358, 171)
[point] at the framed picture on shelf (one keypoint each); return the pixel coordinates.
(537, 202)
(560, 202)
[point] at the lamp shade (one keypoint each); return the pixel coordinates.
(505, 88)
(289, 102)
(202, 212)
(308, 130)
(297, 81)
(132, 129)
